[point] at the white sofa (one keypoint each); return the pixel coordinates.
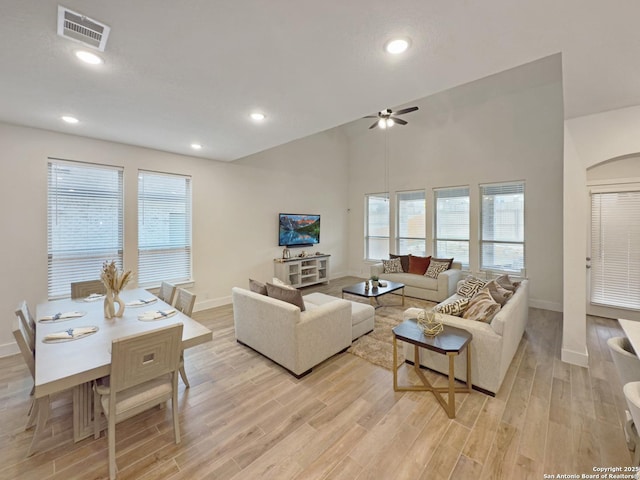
(492, 347)
(419, 286)
(297, 340)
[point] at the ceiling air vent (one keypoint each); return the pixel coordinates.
(79, 28)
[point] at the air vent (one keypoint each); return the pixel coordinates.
(77, 27)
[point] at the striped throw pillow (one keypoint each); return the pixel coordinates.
(392, 266)
(456, 308)
(470, 286)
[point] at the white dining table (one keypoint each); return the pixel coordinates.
(76, 363)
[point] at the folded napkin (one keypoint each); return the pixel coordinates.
(93, 297)
(156, 314)
(61, 316)
(71, 333)
(141, 301)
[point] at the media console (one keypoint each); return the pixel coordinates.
(302, 271)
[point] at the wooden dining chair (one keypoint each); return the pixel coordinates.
(167, 292)
(144, 374)
(86, 288)
(185, 300)
(29, 324)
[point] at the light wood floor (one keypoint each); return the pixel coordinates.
(246, 418)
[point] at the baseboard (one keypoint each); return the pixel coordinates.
(212, 303)
(545, 305)
(575, 358)
(9, 349)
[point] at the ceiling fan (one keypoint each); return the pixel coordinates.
(388, 118)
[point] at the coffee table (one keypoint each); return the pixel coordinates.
(451, 342)
(373, 293)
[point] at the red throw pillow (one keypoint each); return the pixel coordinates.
(418, 265)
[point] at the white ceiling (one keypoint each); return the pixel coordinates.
(178, 72)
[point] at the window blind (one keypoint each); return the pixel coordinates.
(451, 238)
(377, 226)
(411, 223)
(615, 249)
(164, 228)
(84, 222)
(502, 227)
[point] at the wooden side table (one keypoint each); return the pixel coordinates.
(451, 342)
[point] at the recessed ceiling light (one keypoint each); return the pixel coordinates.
(257, 116)
(196, 146)
(89, 57)
(396, 46)
(69, 119)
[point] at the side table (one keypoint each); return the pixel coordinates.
(451, 342)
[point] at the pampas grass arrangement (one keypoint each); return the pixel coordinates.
(114, 281)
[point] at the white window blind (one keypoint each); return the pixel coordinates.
(84, 222)
(411, 233)
(615, 249)
(452, 224)
(164, 228)
(502, 228)
(377, 226)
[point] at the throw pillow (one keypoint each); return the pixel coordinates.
(436, 268)
(470, 286)
(286, 294)
(280, 283)
(456, 308)
(499, 294)
(257, 287)
(418, 265)
(448, 260)
(404, 260)
(392, 266)
(482, 307)
(505, 282)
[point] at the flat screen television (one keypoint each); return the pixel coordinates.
(298, 230)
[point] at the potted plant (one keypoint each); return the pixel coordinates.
(374, 281)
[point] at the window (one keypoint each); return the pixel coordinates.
(615, 249)
(84, 222)
(377, 226)
(502, 227)
(451, 220)
(411, 223)
(164, 228)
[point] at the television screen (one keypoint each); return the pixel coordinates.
(298, 230)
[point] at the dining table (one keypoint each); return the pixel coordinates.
(74, 363)
(632, 331)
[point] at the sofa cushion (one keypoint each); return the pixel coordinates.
(448, 260)
(411, 280)
(286, 294)
(257, 287)
(392, 266)
(505, 282)
(499, 294)
(455, 308)
(470, 286)
(404, 261)
(482, 307)
(435, 268)
(418, 265)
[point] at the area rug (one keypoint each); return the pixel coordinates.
(377, 347)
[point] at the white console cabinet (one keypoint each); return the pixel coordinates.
(302, 271)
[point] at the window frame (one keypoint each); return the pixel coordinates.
(437, 238)
(367, 226)
(399, 238)
(482, 242)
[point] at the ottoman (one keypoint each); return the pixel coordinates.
(362, 314)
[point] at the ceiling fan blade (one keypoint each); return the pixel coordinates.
(399, 120)
(371, 116)
(405, 110)
(375, 124)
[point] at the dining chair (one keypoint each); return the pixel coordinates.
(144, 374)
(167, 292)
(86, 288)
(632, 395)
(28, 322)
(185, 300)
(628, 366)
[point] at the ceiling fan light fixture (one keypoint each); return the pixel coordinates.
(390, 122)
(382, 123)
(397, 46)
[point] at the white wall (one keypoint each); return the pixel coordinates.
(235, 208)
(502, 128)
